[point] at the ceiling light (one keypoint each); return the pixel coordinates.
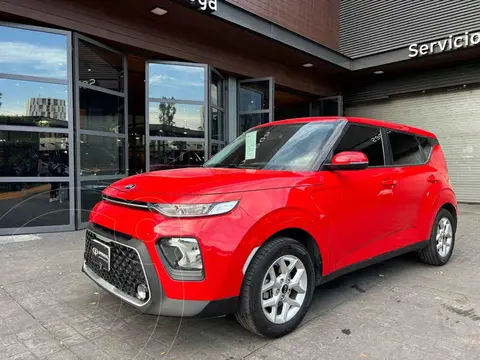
(378, 72)
(158, 11)
(307, 65)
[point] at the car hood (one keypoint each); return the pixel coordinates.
(206, 181)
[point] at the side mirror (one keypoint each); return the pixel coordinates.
(348, 160)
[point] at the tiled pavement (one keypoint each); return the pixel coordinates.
(400, 309)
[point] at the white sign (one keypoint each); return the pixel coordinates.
(453, 42)
(204, 5)
(251, 145)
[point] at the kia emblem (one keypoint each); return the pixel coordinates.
(130, 186)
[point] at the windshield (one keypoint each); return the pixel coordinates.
(292, 147)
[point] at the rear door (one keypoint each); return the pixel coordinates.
(415, 177)
(363, 211)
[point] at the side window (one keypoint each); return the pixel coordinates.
(405, 149)
(365, 139)
(426, 145)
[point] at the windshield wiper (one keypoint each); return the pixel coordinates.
(236, 166)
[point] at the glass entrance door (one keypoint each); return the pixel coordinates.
(176, 115)
(218, 133)
(328, 106)
(101, 113)
(255, 102)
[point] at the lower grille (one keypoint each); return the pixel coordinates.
(126, 270)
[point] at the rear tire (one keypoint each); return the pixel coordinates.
(277, 289)
(442, 240)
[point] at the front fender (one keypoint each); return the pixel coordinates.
(274, 222)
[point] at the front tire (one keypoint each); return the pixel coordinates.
(277, 289)
(442, 240)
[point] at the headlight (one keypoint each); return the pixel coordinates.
(194, 210)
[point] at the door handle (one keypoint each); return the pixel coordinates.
(389, 183)
(432, 179)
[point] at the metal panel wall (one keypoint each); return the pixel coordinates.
(453, 117)
(438, 78)
(371, 26)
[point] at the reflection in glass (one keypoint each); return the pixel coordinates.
(33, 103)
(216, 90)
(101, 112)
(99, 66)
(33, 53)
(175, 154)
(179, 82)
(33, 154)
(246, 121)
(177, 120)
(255, 95)
(328, 107)
(91, 194)
(101, 155)
(215, 148)
(34, 204)
(218, 125)
(290, 147)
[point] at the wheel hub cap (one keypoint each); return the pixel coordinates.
(444, 237)
(284, 289)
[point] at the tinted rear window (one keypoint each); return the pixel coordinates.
(405, 149)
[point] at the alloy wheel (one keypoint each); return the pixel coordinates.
(284, 289)
(444, 237)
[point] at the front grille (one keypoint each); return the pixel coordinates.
(126, 270)
(129, 203)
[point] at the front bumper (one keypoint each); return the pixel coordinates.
(157, 302)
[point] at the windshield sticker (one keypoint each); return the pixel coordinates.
(251, 145)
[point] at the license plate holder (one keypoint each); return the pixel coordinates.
(101, 254)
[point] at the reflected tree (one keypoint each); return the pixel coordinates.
(167, 113)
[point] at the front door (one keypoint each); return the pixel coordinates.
(364, 199)
(255, 102)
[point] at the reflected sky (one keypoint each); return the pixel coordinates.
(177, 81)
(302, 147)
(15, 94)
(26, 52)
(186, 116)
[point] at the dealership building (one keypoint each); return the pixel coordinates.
(104, 90)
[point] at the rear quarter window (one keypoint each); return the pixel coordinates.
(426, 144)
(405, 149)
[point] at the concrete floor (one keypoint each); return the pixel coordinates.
(400, 309)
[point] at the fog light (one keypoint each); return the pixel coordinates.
(182, 253)
(142, 291)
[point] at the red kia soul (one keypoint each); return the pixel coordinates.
(285, 207)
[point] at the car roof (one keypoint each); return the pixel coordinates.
(358, 120)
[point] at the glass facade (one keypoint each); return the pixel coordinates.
(66, 132)
(36, 130)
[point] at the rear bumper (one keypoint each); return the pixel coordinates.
(158, 303)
